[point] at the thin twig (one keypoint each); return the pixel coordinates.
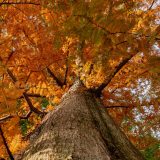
(18, 3)
(28, 77)
(9, 57)
(5, 118)
(26, 116)
(5, 99)
(116, 107)
(90, 20)
(152, 5)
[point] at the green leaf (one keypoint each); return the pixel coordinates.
(23, 124)
(149, 153)
(44, 103)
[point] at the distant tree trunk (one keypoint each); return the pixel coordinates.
(80, 129)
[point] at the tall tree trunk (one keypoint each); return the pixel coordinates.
(80, 129)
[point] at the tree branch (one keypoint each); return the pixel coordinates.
(54, 77)
(151, 5)
(90, 69)
(32, 108)
(65, 76)
(29, 39)
(9, 57)
(13, 78)
(6, 145)
(18, 3)
(26, 116)
(133, 79)
(32, 95)
(90, 20)
(66, 72)
(28, 77)
(117, 69)
(116, 107)
(5, 118)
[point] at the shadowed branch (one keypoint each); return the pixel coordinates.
(54, 77)
(32, 108)
(66, 71)
(6, 145)
(65, 76)
(13, 78)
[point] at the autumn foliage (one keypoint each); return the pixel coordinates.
(111, 45)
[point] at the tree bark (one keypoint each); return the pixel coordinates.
(80, 129)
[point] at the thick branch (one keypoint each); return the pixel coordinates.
(117, 69)
(32, 108)
(6, 145)
(54, 77)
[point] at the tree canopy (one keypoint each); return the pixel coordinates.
(112, 46)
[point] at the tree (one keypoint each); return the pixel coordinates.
(112, 47)
(80, 129)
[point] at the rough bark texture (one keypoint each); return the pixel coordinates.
(80, 129)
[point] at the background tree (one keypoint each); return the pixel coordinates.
(113, 47)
